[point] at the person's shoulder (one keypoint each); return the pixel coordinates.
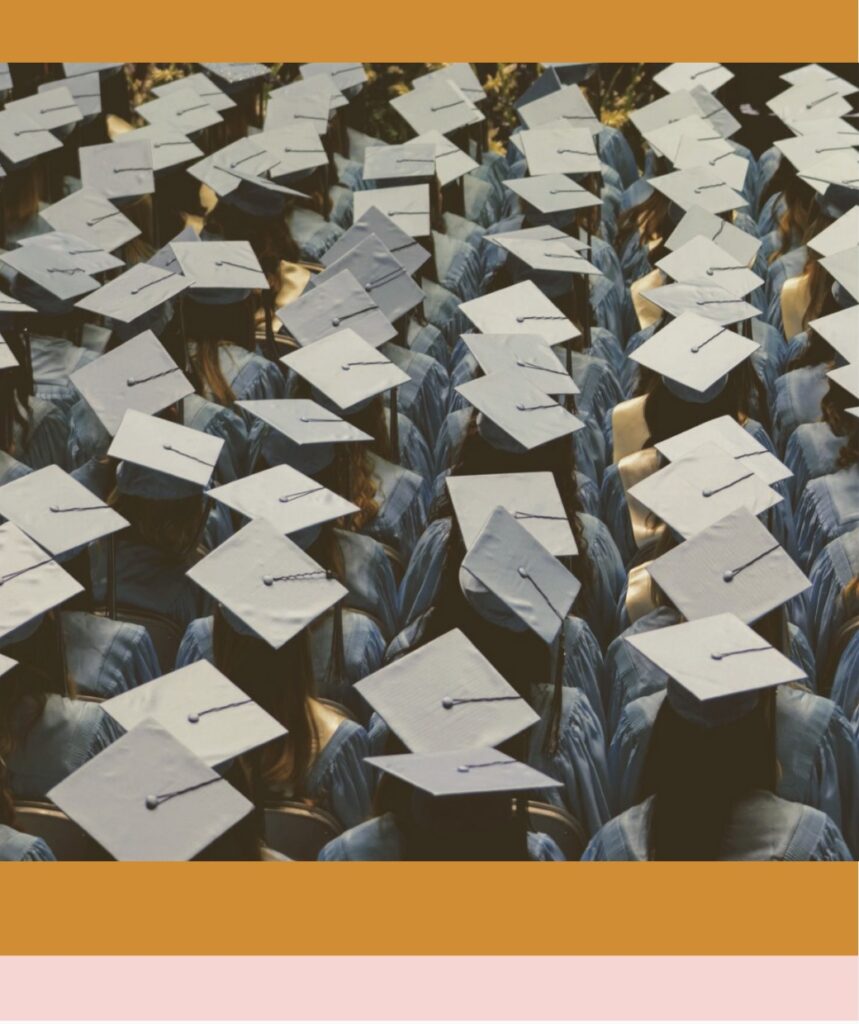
(376, 839)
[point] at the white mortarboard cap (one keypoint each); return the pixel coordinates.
(699, 186)
(221, 170)
(809, 101)
(85, 91)
(697, 221)
(346, 74)
(531, 498)
(303, 421)
(283, 497)
(338, 301)
(706, 301)
(521, 411)
(840, 235)
(297, 107)
(462, 75)
(715, 112)
(513, 566)
(169, 148)
(408, 206)
(441, 105)
(705, 262)
(119, 172)
(700, 489)
(134, 293)
(718, 656)
(380, 273)
(90, 258)
(267, 583)
(56, 511)
(556, 254)
(92, 217)
(446, 695)
(297, 148)
(147, 797)
(203, 86)
(844, 268)
(345, 368)
(167, 448)
(55, 272)
(837, 126)
(566, 150)
(735, 565)
(22, 139)
(463, 772)
(52, 110)
(237, 72)
(816, 73)
(316, 85)
(685, 76)
(73, 70)
(409, 160)
(667, 109)
(841, 168)
(31, 582)
(717, 154)
(182, 110)
(804, 151)
(8, 360)
(140, 374)
(846, 377)
(553, 193)
(520, 309)
(841, 331)
(527, 354)
(201, 708)
(451, 162)
(566, 104)
(220, 265)
(737, 442)
(407, 252)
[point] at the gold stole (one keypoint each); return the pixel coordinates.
(646, 311)
(795, 300)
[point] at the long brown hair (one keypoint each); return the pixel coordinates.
(173, 526)
(211, 326)
(649, 220)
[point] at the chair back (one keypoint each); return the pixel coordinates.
(299, 831)
(559, 825)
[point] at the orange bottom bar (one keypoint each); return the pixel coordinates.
(429, 909)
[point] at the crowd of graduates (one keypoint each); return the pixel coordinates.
(431, 499)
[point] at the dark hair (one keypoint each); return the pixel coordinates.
(269, 237)
(210, 327)
(696, 775)
(173, 526)
(849, 454)
(649, 220)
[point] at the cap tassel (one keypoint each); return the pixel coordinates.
(465, 768)
(729, 576)
(153, 802)
(395, 427)
(724, 487)
(195, 716)
(451, 702)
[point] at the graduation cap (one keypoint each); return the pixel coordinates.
(137, 292)
(555, 255)
(56, 511)
(566, 104)
(451, 162)
(737, 442)
(844, 268)
(22, 139)
(380, 273)
(710, 302)
(809, 101)
(92, 217)
(409, 253)
(304, 422)
(408, 206)
(221, 170)
(717, 666)
(687, 75)
(5, 78)
(462, 76)
(804, 151)
(6, 665)
(530, 355)
(533, 499)
(722, 120)
(9, 304)
(701, 488)
(297, 148)
(91, 259)
(285, 498)
(119, 172)
(553, 193)
(446, 695)
(203, 86)
(439, 105)
(815, 73)
(841, 235)
(103, 69)
(299, 107)
(410, 160)
(841, 331)
(463, 772)
(147, 797)
(183, 110)
(140, 374)
(54, 110)
(31, 582)
(665, 110)
(839, 169)
(563, 150)
(85, 91)
(345, 369)
(202, 709)
(338, 301)
(703, 261)
(538, 232)
(222, 269)
(735, 565)
(169, 148)
(521, 412)
(53, 272)
(237, 73)
(520, 309)
(167, 459)
(846, 377)
(347, 74)
(699, 186)
(321, 85)
(268, 586)
(696, 222)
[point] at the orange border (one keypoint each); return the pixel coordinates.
(429, 909)
(388, 30)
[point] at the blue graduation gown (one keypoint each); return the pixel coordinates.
(828, 507)
(19, 846)
(105, 658)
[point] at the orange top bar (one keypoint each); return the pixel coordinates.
(389, 30)
(429, 909)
